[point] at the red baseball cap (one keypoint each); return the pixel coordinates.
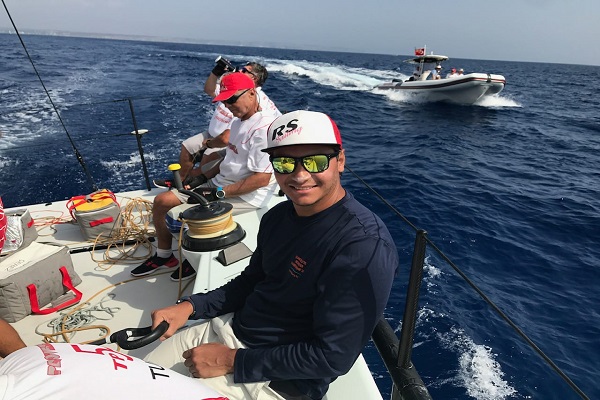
(231, 83)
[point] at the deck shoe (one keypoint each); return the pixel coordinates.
(153, 264)
(164, 183)
(187, 272)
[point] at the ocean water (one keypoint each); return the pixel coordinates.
(508, 189)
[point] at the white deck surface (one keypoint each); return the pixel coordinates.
(135, 299)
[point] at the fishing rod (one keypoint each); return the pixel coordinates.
(77, 154)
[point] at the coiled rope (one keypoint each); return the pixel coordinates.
(132, 231)
(211, 227)
(70, 322)
(78, 319)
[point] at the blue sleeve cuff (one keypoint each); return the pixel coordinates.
(189, 300)
(238, 366)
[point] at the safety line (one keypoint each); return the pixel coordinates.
(502, 315)
(77, 154)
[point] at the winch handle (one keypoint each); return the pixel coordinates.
(201, 200)
(145, 336)
(176, 176)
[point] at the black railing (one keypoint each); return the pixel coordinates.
(138, 136)
(403, 374)
(396, 353)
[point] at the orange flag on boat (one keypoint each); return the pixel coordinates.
(420, 51)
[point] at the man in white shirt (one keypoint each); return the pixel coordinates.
(244, 178)
(436, 73)
(209, 145)
(452, 73)
(58, 371)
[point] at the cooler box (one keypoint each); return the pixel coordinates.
(35, 277)
(20, 231)
(95, 213)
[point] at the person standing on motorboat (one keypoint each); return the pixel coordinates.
(436, 73)
(460, 72)
(416, 74)
(301, 312)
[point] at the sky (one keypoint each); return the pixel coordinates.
(555, 31)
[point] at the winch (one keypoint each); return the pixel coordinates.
(210, 225)
(213, 241)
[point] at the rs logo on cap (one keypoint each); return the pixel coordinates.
(280, 130)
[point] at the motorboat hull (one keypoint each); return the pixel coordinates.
(464, 90)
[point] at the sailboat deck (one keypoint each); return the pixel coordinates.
(122, 301)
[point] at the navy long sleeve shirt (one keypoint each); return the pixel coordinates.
(310, 297)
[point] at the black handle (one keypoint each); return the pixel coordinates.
(201, 199)
(144, 336)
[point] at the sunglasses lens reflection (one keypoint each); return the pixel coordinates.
(313, 164)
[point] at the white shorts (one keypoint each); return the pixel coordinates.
(194, 144)
(169, 355)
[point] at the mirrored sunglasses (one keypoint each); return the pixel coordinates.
(314, 164)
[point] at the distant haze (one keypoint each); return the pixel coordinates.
(512, 30)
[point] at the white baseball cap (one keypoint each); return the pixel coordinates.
(302, 127)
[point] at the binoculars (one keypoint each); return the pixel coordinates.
(224, 65)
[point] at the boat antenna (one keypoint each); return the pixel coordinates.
(77, 154)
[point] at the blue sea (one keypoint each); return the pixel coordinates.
(508, 189)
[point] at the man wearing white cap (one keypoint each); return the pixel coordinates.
(301, 312)
(437, 72)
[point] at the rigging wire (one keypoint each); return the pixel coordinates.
(502, 315)
(77, 154)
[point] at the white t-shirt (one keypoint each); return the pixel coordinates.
(266, 105)
(222, 118)
(243, 157)
(61, 371)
